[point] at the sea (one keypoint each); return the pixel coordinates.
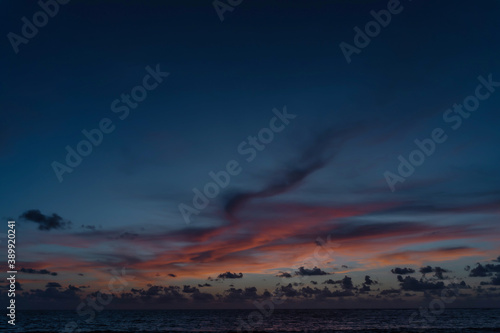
(349, 321)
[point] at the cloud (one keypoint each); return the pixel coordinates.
(316, 154)
(189, 290)
(34, 271)
(73, 288)
(45, 222)
(402, 271)
(438, 271)
(425, 270)
(204, 285)
(172, 275)
(345, 283)
(229, 275)
(310, 272)
(284, 275)
(479, 271)
(484, 271)
(411, 284)
(390, 292)
(238, 295)
(369, 281)
(53, 285)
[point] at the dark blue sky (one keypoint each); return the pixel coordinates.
(323, 173)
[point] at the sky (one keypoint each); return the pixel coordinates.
(202, 162)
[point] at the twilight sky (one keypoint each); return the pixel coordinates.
(312, 154)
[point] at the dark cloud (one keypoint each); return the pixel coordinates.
(202, 297)
(284, 275)
(438, 271)
(204, 285)
(189, 290)
(229, 275)
(238, 295)
(316, 154)
(369, 281)
(402, 271)
(345, 283)
(425, 270)
(172, 275)
(45, 222)
(411, 284)
(288, 291)
(364, 289)
(53, 285)
(390, 292)
(73, 288)
(310, 272)
(34, 271)
(479, 271)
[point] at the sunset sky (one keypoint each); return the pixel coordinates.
(308, 210)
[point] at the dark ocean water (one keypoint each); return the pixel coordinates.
(452, 320)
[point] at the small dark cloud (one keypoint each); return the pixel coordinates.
(172, 275)
(73, 288)
(34, 271)
(479, 271)
(189, 290)
(204, 285)
(344, 266)
(402, 271)
(425, 270)
(369, 281)
(88, 227)
(53, 285)
(284, 275)
(229, 275)
(345, 283)
(438, 271)
(310, 272)
(390, 292)
(411, 284)
(45, 222)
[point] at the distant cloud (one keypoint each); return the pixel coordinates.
(34, 271)
(411, 284)
(189, 290)
(45, 222)
(310, 272)
(345, 283)
(402, 271)
(369, 281)
(438, 271)
(284, 275)
(172, 275)
(229, 275)
(484, 271)
(53, 285)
